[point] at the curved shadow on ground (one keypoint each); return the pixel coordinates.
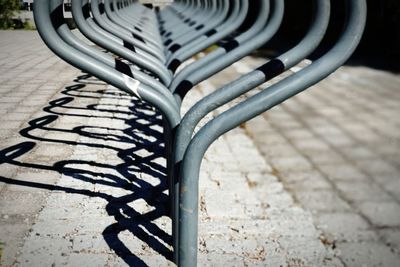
(138, 135)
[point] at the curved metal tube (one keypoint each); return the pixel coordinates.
(151, 54)
(207, 27)
(219, 53)
(199, 44)
(111, 45)
(141, 41)
(46, 23)
(196, 20)
(180, 144)
(255, 78)
(202, 69)
(255, 105)
(134, 39)
(206, 17)
(116, 17)
(66, 34)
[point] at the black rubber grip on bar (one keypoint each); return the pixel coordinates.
(86, 11)
(183, 88)
(199, 27)
(138, 29)
(210, 32)
(112, 7)
(229, 46)
(174, 48)
(174, 65)
(138, 37)
(102, 8)
(272, 68)
(129, 46)
(123, 68)
(56, 16)
(168, 42)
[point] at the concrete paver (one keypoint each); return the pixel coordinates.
(345, 141)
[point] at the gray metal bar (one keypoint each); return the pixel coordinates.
(255, 78)
(196, 20)
(118, 16)
(101, 13)
(46, 22)
(141, 40)
(247, 82)
(255, 105)
(66, 34)
(224, 56)
(199, 44)
(209, 25)
(152, 56)
(181, 143)
(112, 46)
(219, 53)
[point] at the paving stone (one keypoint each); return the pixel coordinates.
(311, 183)
(392, 238)
(13, 125)
(376, 167)
(327, 157)
(311, 144)
(345, 172)
(11, 235)
(228, 208)
(216, 259)
(8, 170)
(345, 227)
(322, 200)
(307, 253)
(41, 178)
(44, 251)
(299, 134)
(367, 254)
(281, 150)
(83, 259)
(362, 191)
(292, 164)
(339, 140)
(393, 187)
(332, 262)
(28, 203)
(381, 213)
(16, 116)
(279, 201)
(358, 152)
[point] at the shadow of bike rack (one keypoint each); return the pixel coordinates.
(143, 51)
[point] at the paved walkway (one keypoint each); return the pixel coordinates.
(82, 175)
(336, 150)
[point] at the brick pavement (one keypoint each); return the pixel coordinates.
(82, 179)
(336, 149)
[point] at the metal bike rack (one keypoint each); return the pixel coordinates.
(145, 47)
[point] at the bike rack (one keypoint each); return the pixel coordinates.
(143, 49)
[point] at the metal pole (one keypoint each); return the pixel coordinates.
(277, 93)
